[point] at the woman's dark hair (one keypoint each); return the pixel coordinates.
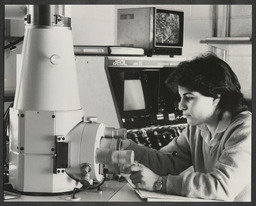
(212, 77)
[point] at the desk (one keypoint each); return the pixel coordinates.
(112, 191)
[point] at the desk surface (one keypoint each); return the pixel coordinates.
(112, 191)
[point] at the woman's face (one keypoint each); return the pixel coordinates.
(198, 109)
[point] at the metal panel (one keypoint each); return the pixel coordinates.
(38, 132)
(135, 27)
(95, 93)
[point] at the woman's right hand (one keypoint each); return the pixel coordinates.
(142, 177)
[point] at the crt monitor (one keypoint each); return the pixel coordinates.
(141, 96)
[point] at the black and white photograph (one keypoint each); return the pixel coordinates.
(127, 103)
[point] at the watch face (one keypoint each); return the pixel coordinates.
(159, 184)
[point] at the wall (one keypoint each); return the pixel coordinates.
(240, 20)
(239, 56)
(13, 28)
(94, 25)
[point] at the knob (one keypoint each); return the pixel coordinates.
(120, 133)
(55, 59)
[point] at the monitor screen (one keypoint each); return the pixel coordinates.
(133, 95)
(168, 28)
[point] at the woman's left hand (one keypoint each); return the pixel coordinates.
(142, 177)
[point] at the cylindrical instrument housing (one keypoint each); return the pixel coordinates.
(49, 15)
(120, 157)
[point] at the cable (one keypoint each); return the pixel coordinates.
(6, 138)
(12, 44)
(11, 189)
(85, 187)
(97, 186)
(76, 190)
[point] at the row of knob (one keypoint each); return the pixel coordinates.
(155, 137)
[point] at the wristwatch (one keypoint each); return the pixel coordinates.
(158, 184)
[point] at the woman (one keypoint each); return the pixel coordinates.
(216, 142)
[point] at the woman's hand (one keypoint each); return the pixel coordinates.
(142, 177)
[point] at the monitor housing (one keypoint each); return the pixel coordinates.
(158, 31)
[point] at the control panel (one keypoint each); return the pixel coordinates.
(155, 137)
